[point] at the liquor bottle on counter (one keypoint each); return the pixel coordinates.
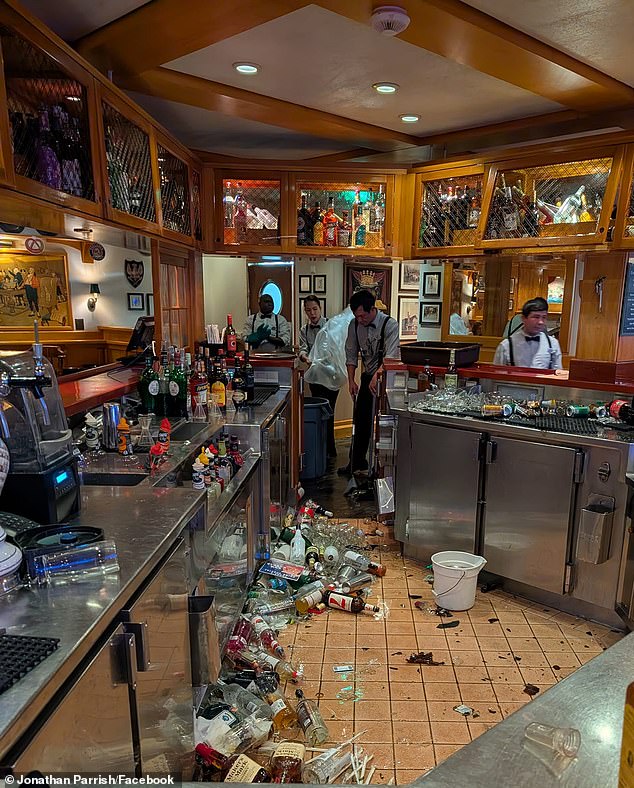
(199, 388)
(231, 769)
(218, 387)
(509, 211)
(238, 388)
(304, 222)
(177, 386)
(230, 339)
(530, 219)
(427, 377)
(451, 375)
(148, 385)
(331, 224)
(249, 376)
(318, 225)
(287, 762)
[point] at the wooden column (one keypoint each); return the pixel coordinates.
(496, 303)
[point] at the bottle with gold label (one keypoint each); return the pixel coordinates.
(283, 713)
(287, 762)
(233, 769)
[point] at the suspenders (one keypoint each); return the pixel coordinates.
(381, 347)
(512, 354)
(277, 325)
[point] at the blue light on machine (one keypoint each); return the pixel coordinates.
(61, 477)
(271, 257)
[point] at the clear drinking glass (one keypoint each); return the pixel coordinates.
(74, 564)
(564, 741)
(145, 440)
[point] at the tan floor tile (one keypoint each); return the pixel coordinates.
(406, 673)
(312, 671)
(339, 730)
(506, 674)
(540, 677)
(508, 617)
(610, 638)
(450, 732)
(430, 642)
(306, 654)
(374, 690)
(566, 618)
(341, 655)
(554, 644)
(467, 658)
(329, 689)
(563, 659)
(377, 732)
(332, 709)
(408, 710)
(471, 674)
(444, 673)
(402, 643)
(399, 627)
(562, 673)
(372, 673)
(442, 691)
(400, 614)
(487, 711)
(506, 693)
(503, 659)
(442, 711)
(589, 645)
(396, 594)
(383, 777)
(524, 644)
(478, 728)
(510, 707)
(532, 659)
(407, 733)
(341, 626)
(370, 626)
(373, 640)
(492, 643)
(585, 657)
(517, 630)
(363, 656)
(406, 691)
(383, 756)
(484, 629)
(427, 627)
(316, 624)
(309, 639)
(444, 751)
(442, 655)
(373, 710)
(546, 630)
(409, 776)
(329, 674)
(462, 643)
(414, 757)
(464, 628)
(481, 692)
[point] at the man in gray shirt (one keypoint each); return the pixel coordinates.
(374, 336)
(529, 345)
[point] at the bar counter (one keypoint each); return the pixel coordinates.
(81, 394)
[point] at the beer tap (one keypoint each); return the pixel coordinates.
(34, 383)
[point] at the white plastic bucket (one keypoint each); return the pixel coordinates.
(456, 578)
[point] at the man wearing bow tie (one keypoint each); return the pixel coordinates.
(530, 345)
(265, 331)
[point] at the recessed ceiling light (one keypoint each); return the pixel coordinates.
(385, 87)
(246, 68)
(409, 118)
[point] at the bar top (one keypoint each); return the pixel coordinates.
(81, 395)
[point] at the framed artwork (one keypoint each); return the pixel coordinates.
(430, 313)
(322, 304)
(408, 313)
(511, 305)
(319, 283)
(136, 302)
(305, 283)
(149, 304)
(35, 287)
(368, 276)
(409, 276)
(431, 284)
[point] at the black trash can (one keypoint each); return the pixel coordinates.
(317, 412)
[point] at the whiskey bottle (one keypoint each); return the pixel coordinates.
(318, 226)
(232, 769)
(310, 720)
(283, 714)
(353, 604)
(287, 761)
(451, 375)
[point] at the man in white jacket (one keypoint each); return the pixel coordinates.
(530, 345)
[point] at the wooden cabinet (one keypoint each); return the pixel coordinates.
(624, 226)
(448, 205)
(174, 191)
(550, 201)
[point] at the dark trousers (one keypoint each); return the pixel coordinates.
(363, 413)
(325, 393)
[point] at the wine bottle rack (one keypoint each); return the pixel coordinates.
(48, 117)
(449, 212)
(174, 176)
(251, 212)
(548, 201)
(129, 165)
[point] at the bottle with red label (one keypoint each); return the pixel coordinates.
(267, 636)
(352, 604)
(230, 338)
(622, 409)
(331, 224)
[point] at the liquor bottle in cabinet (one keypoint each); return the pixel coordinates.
(568, 212)
(345, 230)
(431, 231)
(510, 212)
(304, 224)
(240, 215)
(229, 206)
(331, 225)
(318, 225)
(474, 209)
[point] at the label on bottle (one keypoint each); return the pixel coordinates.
(304, 716)
(267, 658)
(278, 705)
(201, 393)
(451, 380)
(510, 221)
(615, 407)
(244, 770)
(153, 388)
(238, 397)
(232, 343)
(290, 749)
(219, 394)
(173, 388)
(340, 601)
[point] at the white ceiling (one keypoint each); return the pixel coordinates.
(72, 19)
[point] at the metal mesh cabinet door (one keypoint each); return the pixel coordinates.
(197, 205)
(449, 212)
(251, 212)
(175, 203)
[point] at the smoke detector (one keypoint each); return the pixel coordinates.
(389, 20)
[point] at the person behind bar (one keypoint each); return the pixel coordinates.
(266, 332)
(307, 335)
(374, 336)
(529, 345)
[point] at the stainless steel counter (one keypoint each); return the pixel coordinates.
(592, 700)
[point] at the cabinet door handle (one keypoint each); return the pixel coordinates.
(142, 646)
(491, 452)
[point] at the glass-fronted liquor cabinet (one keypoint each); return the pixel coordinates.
(448, 210)
(341, 214)
(484, 294)
(558, 203)
(624, 225)
(48, 100)
(251, 209)
(174, 190)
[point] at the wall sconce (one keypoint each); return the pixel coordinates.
(94, 295)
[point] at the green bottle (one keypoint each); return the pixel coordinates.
(148, 385)
(177, 387)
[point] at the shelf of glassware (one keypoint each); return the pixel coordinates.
(249, 212)
(448, 213)
(347, 216)
(551, 204)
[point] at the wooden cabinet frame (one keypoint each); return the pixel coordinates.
(435, 175)
(530, 244)
(621, 240)
(183, 154)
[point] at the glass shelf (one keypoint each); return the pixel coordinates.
(251, 212)
(549, 201)
(343, 215)
(450, 211)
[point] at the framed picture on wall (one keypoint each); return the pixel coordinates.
(304, 283)
(407, 317)
(149, 304)
(409, 276)
(431, 284)
(322, 304)
(368, 276)
(319, 283)
(136, 302)
(430, 313)
(35, 287)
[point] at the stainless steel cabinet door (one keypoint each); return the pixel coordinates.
(444, 477)
(163, 697)
(91, 728)
(529, 491)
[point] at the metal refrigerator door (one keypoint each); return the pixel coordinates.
(163, 697)
(529, 490)
(445, 473)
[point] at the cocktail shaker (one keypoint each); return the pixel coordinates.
(111, 417)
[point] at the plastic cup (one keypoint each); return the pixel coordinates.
(77, 564)
(564, 741)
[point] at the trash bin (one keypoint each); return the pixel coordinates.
(317, 412)
(456, 578)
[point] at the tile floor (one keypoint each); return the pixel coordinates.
(406, 711)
